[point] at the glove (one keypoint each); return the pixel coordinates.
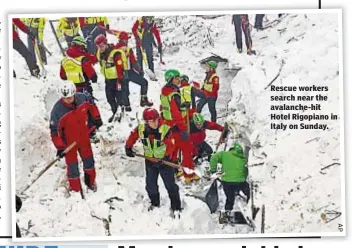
(98, 123)
(129, 152)
(60, 153)
(186, 105)
(107, 26)
(118, 86)
(160, 49)
(184, 136)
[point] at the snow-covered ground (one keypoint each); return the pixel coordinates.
(285, 165)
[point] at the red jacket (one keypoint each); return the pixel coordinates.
(87, 67)
(175, 104)
(199, 135)
(215, 83)
(142, 25)
(16, 22)
(132, 58)
(151, 134)
(68, 123)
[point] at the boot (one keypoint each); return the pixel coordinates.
(251, 52)
(89, 179)
(239, 50)
(35, 72)
(128, 108)
(154, 202)
(74, 184)
(112, 117)
(145, 102)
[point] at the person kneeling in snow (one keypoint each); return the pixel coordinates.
(68, 124)
(234, 173)
(198, 129)
(158, 145)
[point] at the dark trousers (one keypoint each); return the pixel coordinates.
(211, 101)
(259, 21)
(167, 175)
(148, 49)
(20, 47)
(204, 150)
(31, 46)
(112, 96)
(140, 80)
(231, 190)
(239, 27)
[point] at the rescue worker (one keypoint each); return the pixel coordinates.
(77, 67)
(190, 90)
(241, 23)
(113, 66)
(144, 30)
(67, 29)
(174, 111)
(210, 88)
(67, 125)
(36, 26)
(198, 134)
(133, 72)
(158, 145)
(234, 173)
(21, 48)
(90, 30)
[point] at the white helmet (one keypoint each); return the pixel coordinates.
(66, 89)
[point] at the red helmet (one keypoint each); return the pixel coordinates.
(150, 114)
(100, 39)
(123, 35)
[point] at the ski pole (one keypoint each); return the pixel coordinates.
(54, 161)
(39, 57)
(47, 50)
(57, 39)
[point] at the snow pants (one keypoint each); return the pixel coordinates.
(167, 175)
(259, 21)
(20, 47)
(140, 80)
(239, 27)
(31, 46)
(211, 101)
(113, 95)
(148, 49)
(85, 151)
(186, 148)
(231, 189)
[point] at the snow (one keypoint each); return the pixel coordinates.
(290, 184)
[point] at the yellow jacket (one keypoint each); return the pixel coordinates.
(35, 23)
(103, 20)
(64, 27)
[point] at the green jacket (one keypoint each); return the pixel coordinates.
(234, 166)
